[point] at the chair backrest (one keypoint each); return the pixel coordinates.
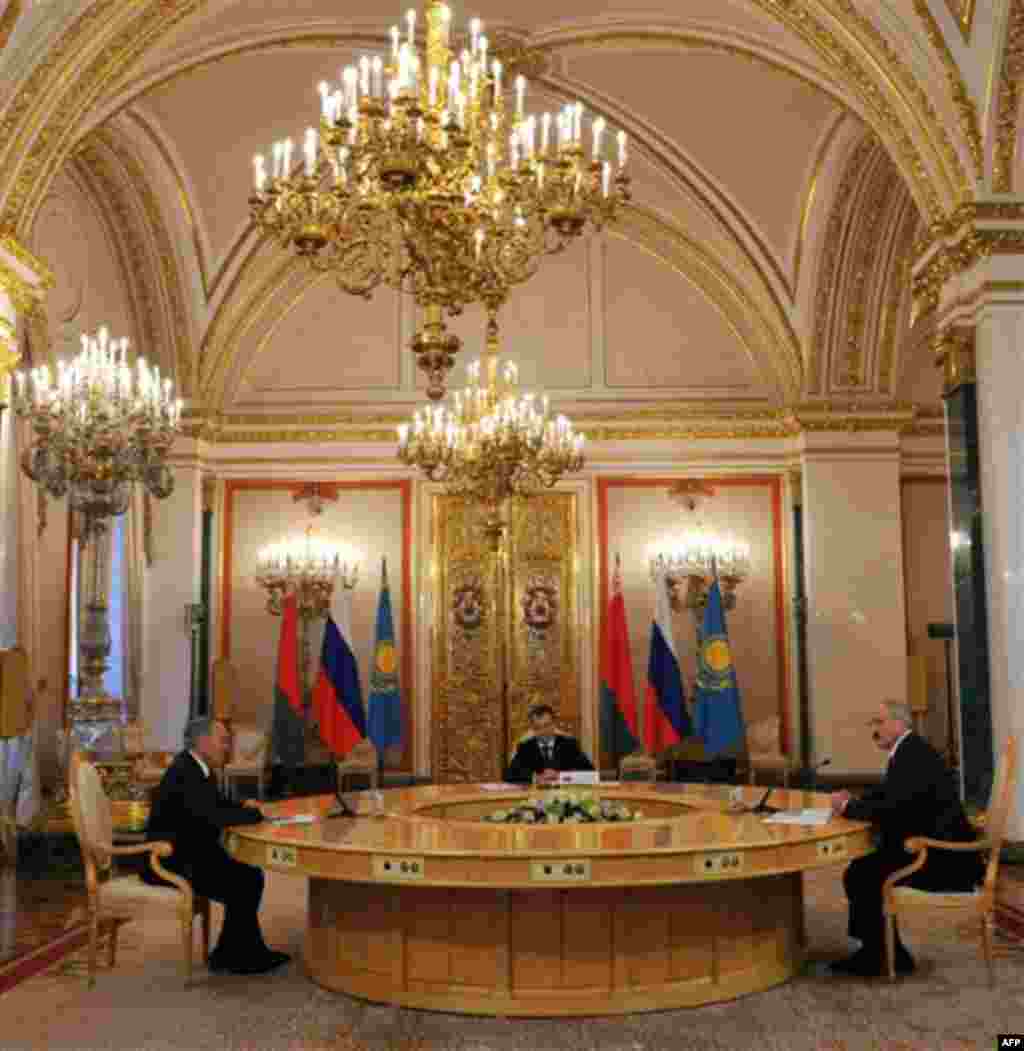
(638, 767)
(251, 745)
(15, 698)
(1004, 788)
(763, 736)
(90, 812)
(133, 738)
(361, 756)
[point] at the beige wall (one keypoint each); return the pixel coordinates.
(927, 570)
(642, 518)
(366, 520)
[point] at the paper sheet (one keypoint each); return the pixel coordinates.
(799, 817)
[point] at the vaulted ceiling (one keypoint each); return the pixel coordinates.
(764, 261)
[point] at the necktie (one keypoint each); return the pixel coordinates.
(549, 751)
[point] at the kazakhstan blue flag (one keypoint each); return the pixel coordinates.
(717, 713)
(384, 722)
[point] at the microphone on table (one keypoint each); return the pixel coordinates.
(762, 807)
(342, 809)
(814, 773)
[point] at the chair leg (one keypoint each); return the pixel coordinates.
(986, 942)
(890, 946)
(204, 921)
(186, 944)
(112, 944)
(94, 933)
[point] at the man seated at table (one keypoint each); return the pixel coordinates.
(917, 797)
(190, 813)
(547, 752)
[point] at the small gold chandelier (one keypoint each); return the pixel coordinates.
(100, 428)
(307, 567)
(420, 177)
(491, 442)
(695, 560)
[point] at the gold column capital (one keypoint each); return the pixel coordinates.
(953, 348)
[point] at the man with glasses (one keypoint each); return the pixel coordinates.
(917, 797)
(547, 752)
(190, 813)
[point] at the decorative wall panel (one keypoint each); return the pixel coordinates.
(506, 629)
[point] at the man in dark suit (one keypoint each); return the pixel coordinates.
(547, 752)
(917, 797)
(190, 813)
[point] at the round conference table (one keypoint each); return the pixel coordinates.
(427, 905)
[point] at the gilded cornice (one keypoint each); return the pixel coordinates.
(966, 107)
(53, 99)
(1008, 100)
(10, 244)
(954, 258)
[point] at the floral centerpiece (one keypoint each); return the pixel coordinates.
(564, 808)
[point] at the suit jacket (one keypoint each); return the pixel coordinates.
(529, 759)
(189, 812)
(917, 797)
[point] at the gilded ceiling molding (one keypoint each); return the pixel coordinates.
(956, 257)
(8, 20)
(814, 182)
(832, 248)
(14, 248)
(38, 127)
(872, 78)
(897, 299)
(24, 296)
(1008, 100)
(963, 14)
(967, 109)
(156, 140)
(106, 157)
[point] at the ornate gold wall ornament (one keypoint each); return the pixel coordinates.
(952, 259)
(1008, 100)
(527, 640)
(9, 357)
(23, 295)
(10, 244)
(953, 349)
(966, 107)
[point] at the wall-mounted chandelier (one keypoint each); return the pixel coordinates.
(693, 561)
(308, 567)
(99, 427)
(421, 176)
(491, 442)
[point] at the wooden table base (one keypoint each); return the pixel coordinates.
(573, 951)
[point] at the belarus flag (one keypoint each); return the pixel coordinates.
(338, 695)
(665, 719)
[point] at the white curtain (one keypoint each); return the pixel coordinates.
(135, 574)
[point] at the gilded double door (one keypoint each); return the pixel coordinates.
(506, 631)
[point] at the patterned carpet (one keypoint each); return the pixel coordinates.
(143, 1004)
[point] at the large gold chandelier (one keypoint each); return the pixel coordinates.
(102, 426)
(491, 442)
(422, 178)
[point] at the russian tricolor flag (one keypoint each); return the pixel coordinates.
(666, 721)
(338, 694)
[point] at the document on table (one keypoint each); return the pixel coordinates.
(799, 817)
(498, 786)
(294, 819)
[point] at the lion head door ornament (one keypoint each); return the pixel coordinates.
(540, 606)
(468, 605)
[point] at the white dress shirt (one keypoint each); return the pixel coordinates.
(202, 764)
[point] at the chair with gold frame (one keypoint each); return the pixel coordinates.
(111, 896)
(250, 758)
(966, 906)
(638, 767)
(763, 752)
(361, 761)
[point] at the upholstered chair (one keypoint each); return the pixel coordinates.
(250, 758)
(638, 767)
(113, 897)
(966, 908)
(763, 752)
(361, 762)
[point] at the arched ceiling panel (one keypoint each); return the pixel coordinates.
(749, 127)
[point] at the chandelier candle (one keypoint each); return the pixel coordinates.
(415, 157)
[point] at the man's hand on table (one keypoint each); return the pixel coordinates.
(838, 801)
(547, 777)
